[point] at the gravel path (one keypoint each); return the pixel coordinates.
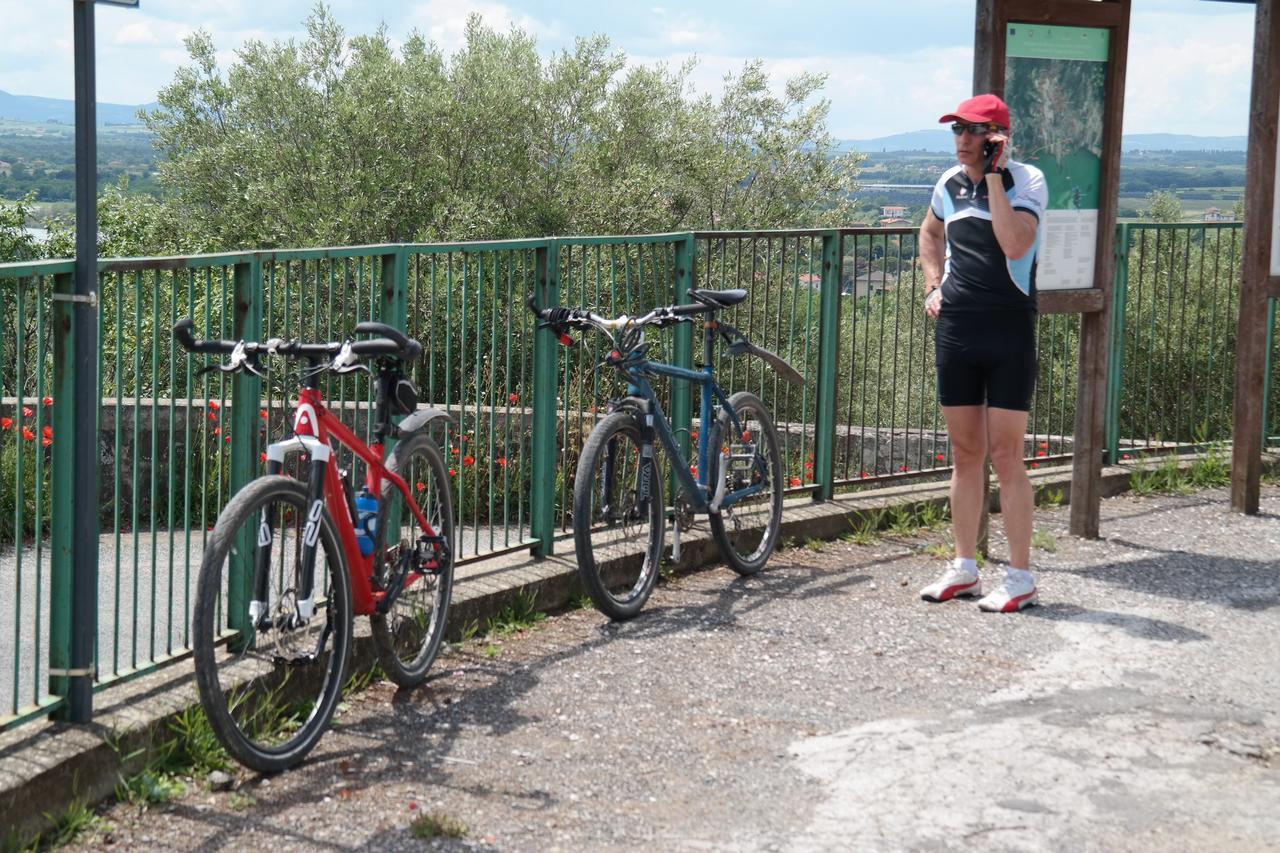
(822, 705)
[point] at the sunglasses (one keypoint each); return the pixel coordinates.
(974, 129)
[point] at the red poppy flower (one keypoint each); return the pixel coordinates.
(421, 486)
(217, 430)
(795, 481)
(1125, 456)
(262, 457)
(454, 451)
(502, 461)
(213, 404)
(27, 412)
(941, 457)
(864, 475)
(453, 472)
(1044, 445)
(263, 414)
(513, 398)
(1041, 453)
(45, 442)
(27, 434)
(47, 432)
(746, 435)
(903, 468)
(693, 469)
(226, 438)
(5, 423)
(468, 461)
(808, 466)
(1034, 465)
(213, 417)
(693, 436)
(48, 401)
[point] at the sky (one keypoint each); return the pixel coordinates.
(891, 67)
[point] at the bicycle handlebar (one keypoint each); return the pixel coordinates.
(560, 318)
(393, 343)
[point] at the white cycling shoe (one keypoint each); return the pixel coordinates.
(1012, 595)
(954, 583)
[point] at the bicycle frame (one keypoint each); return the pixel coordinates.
(314, 428)
(638, 387)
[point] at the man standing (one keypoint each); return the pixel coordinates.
(978, 247)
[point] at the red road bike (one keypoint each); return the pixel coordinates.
(290, 561)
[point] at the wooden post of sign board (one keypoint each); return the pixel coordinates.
(1256, 281)
(1093, 304)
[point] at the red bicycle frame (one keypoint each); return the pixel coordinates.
(312, 419)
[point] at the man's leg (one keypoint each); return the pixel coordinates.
(1006, 432)
(967, 429)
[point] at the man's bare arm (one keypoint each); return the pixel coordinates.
(1015, 229)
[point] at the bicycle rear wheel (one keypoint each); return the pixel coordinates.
(747, 530)
(408, 636)
(270, 671)
(618, 516)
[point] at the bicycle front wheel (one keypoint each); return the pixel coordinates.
(407, 637)
(747, 458)
(271, 653)
(618, 516)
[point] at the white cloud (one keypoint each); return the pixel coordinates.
(445, 21)
(1189, 74)
(870, 94)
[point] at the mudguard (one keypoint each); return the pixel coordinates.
(421, 420)
(742, 346)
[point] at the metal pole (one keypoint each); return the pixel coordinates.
(84, 329)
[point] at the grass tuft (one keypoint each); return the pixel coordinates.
(437, 825)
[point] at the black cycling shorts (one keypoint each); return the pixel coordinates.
(986, 357)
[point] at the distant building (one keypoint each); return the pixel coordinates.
(893, 211)
(894, 222)
(1213, 214)
(875, 281)
(810, 279)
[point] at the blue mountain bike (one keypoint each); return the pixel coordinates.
(619, 517)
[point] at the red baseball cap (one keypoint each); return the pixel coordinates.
(981, 108)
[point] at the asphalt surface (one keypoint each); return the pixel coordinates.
(820, 706)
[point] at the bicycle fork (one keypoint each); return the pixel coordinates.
(305, 549)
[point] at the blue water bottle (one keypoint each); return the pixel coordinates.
(366, 521)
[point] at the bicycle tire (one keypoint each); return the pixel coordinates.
(607, 558)
(406, 644)
(733, 529)
(275, 730)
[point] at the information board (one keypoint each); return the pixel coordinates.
(1056, 87)
(1275, 213)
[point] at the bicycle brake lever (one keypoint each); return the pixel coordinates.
(352, 368)
(255, 367)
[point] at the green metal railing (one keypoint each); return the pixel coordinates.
(842, 306)
(1173, 338)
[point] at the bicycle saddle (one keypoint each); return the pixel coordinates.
(718, 298)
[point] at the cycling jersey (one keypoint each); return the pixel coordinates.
(977, 276)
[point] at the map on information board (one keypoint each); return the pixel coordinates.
(1056, 86)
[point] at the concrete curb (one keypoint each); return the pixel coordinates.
(46, 768)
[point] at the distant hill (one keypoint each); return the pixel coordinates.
(31, 108)
(941, 140)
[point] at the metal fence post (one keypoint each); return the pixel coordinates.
(828, 354)
(546, 360)
(1115, 374)
(395, 289)
(61, 580)
(681, 409)
(246, 397)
